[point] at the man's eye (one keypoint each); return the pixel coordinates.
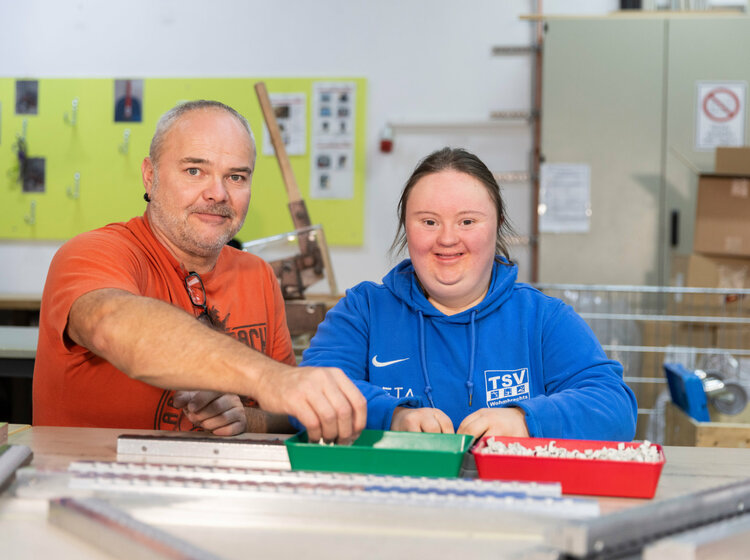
(237, 178)
(193, 171)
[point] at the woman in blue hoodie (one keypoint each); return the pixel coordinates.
(450, 342)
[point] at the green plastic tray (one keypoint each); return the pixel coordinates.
(383, 452)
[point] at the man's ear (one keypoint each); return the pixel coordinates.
(147, 172)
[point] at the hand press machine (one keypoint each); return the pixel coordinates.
(297, 272)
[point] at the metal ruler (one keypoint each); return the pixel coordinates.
(199, 480)
(195, 447)
(625, 533)
(117, 533)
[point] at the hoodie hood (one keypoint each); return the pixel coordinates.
(401, 281)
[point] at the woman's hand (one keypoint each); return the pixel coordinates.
(431, 420)
(495, 422)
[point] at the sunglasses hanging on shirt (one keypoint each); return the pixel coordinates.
(197, 292)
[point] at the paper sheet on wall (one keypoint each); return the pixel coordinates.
(720, 114)
(332, 140)
(291, 116)
(565, 198)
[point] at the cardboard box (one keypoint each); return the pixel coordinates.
(722, 224)
(733, 161)
(680, 429)
(705, 271)
(735, 337)
(672, 335)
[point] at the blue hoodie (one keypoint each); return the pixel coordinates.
(517, 347)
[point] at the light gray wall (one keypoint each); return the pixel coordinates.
(621, 96)
(425, 60)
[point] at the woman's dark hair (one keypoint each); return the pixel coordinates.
(462, 161)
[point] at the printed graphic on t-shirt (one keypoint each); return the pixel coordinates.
(252, 335)
(168, 417)
(505, 385)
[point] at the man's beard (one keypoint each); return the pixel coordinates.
(176, 226)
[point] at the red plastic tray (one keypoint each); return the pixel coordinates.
(595, 477)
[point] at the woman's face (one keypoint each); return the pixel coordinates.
(451, 227)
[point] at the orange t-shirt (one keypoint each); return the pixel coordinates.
(75, 387)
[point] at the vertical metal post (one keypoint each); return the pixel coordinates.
(536, 143)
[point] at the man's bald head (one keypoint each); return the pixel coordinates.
(169, 118)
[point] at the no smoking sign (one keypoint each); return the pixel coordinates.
(720, 114)
(721, 104)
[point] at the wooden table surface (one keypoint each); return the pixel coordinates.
(305, 528)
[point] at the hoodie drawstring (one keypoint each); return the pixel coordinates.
(423, 358)
(470, 375)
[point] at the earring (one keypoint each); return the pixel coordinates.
(146, 197)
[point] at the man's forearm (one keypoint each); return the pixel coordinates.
(159, 344)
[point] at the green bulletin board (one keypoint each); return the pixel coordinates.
(107, 157)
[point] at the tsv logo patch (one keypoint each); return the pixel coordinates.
(504, 386)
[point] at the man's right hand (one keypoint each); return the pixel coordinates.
(431, 420)
(324, 400)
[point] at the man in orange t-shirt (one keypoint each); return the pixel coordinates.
(119, 345)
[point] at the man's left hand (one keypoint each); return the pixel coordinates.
(495, 422)
(222, 414)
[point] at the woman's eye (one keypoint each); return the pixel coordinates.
(467, 222)
(430, 222)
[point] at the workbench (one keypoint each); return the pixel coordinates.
(302, 528)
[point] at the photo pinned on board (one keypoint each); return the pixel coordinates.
(128, 100)
(34, 175)
(27, 97)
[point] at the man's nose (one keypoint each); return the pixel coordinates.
(216, 190)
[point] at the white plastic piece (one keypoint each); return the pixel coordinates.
(644, 453)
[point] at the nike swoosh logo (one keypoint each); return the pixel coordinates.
(376, 363)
